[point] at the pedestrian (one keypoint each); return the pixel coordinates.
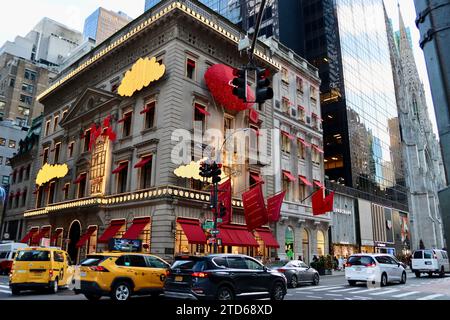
(336, 263)
(341, 263)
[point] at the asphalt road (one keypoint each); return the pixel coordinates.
(330, 288)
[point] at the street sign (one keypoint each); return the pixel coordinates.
(208, 225)
(219, 220)
(214, 231)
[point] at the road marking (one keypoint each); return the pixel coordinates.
(384, 292)
(333, 294)
(314, 297)
(367, 290)
(4, 291)
(348, 298)
(308, 288)
(343, 290)
(2, 286)
(327, 288)
(430, 297)
(405, 294)
(362, 298)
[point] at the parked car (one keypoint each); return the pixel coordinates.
(374, 268)
(296, 272)
(430, 261)
(121, 275)
(7, 254)
(223, 277)
(40, 267)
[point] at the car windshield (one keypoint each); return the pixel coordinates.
(277, 264)
(93, 260)
(194, 265)
(360, 260)
(3, 254)
(34, 255)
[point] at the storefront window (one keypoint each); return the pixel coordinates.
(305, 246)
(320, 243)
(289, 243)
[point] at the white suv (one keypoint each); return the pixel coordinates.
(430, 261)
(374, 268)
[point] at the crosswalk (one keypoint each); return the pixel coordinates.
(5, 289)
(345, 292)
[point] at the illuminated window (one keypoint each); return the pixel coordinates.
(300, 149)
(285, 105)
(301, 113)
(287, 185)
(320, 243)
(12, 144)
(285, 143)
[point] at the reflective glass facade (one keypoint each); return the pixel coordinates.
(90, 25)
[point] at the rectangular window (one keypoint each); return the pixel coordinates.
(24, 197)
(28, 172)
(285, 144)
(39, 197)
(47, 128)
(284, 75)
(1, 160)
(12, 82)
(190, 68)
(70, 149)
(51, 192)
(2, 142)
(45, 156)
(20, 175)
(66, 191)
(87, 139)
(300, 149)
(200, 117)
(55, 123)
(5, 180)
(26, 99)
(299, 82)
(287, 187)
(82, 185)
(64, 114)
(57, 152)
(285, 107)
(150, 115)
(313, 93)
(28, 88)
(122, 178)
(8, 162)
(301, 113)
(126, 132)
(12, 144)
(301, 191)
(146, 175)
(30, 75)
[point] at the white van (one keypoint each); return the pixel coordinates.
(7, 253)
(430, 261)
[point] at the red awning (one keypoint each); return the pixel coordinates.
(191, 63)
(202, 110)
(45, 231)
(80, 178)
(136, 228)
(289, 136)
(257, 178)
(268, 238)
(85, 237)
(192, 230)
(288, 175)
(143, 162)
(18, 193)
(149, 107)
(125, 117)
(111, 231)
(319, 184)
(303, 142)
(120, 168)
(55, 235)
(317, 148)
(234, 235)
(301, 107)
(305, 181)
(29, 234)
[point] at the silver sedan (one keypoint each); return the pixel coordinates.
(296, 272)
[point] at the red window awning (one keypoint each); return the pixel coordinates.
(55, 235)
(303, 142)
(289, 175)
(136, 228)
(288, 135)
(121, 167)
(191, 63)
(193, 231)
(234, 235)
(305, 181)
(125, 117)
(202, 110)
(319, 184)
(301, 107)
(111, 231)
(18, 193)
(268, 238)
(29, 234)
(85, 237)
(44, 233)
(148, 108)
(317, 148)
(80, 178)
(143, 162)
(257, 178)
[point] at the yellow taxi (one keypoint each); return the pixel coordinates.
(120, 275)
(40, 268)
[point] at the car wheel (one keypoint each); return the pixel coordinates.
(417, 274)
(225, 293)
(403, 279)
(316, 279)
(121, 292)
(442, 273)
(294, 282)
(277, 293)
(352, 282)
(384, 280)
(53, 286)
(92, 297)
(15, 291)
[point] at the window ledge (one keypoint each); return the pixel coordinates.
(124, 139)
(152, 129)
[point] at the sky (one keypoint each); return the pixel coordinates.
(22, 15)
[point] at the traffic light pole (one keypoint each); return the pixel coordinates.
(216, 214)
(257, 27)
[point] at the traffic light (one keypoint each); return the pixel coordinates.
(216, 172)
(240, 84)
(263, 91)
(222, 210)
(205, 170)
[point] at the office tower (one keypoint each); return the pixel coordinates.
(103, 23)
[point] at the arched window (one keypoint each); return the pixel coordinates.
(289, 243)
(305, 246)
(320, 243)
(415, 107)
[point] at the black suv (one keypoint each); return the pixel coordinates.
(223, 277)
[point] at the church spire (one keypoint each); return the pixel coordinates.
(403, 33)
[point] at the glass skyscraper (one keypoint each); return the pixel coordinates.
(91, 25)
